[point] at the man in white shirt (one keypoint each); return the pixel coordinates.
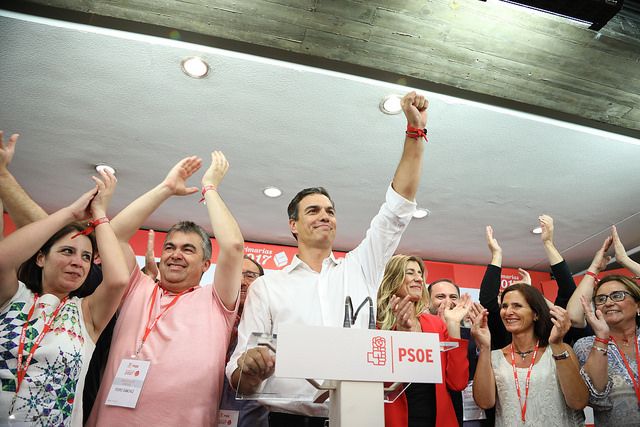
(312, 289)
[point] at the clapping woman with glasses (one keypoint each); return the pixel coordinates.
(610, 358)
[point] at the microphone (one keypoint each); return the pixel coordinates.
(350, 319)
(348, 310)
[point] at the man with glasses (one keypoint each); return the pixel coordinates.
(249, 413)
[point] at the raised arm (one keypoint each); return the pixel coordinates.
(20, 245)
(150, 266)
(407, 176)
(596, 366)
(572, 385)
(490, 285)
(484, 381)
(100, 306)
(621, 253)
(489, 290)
(129, 220)
(20, 207)
(585, 288)
(564, 279)
(228, 274)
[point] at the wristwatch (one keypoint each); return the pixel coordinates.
(561, 356)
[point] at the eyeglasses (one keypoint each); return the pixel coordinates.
(250, 275)
(615, 296)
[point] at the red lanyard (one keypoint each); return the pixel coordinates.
(152, 324)
(21, 370)
(636, 384)
(523, 408)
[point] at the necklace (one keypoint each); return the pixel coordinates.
(523, 354)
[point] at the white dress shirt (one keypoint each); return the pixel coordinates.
(297, 294)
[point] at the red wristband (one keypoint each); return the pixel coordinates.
(205, 189)
(416, 133)
(91, 226)
(604, 341)
(594, 275)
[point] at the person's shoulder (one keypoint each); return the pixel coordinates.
(433, 321)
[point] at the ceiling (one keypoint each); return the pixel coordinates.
(82, 95)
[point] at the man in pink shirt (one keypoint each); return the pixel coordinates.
(176, 328)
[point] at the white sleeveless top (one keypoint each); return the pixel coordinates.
(545, 406)
(51, 391)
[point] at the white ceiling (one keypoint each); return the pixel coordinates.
(80, 95)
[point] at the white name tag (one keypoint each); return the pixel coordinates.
(228, 418)
(471, 410)
(128, 383)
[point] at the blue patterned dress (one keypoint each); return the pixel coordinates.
(617, 405)
(51, 392)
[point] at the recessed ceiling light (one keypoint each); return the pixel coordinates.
(102, 167)
(537, 230)
(390, 104)
(272, 192)
(421, 213)
(195, 67)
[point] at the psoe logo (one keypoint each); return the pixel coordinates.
(378, 354)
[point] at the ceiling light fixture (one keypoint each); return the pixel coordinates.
(390, 104)
(272, 192)
(195, 67)
(103, 167)
(537, 230)
(421, 213)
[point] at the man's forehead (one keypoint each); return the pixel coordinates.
(315, 199)
(182, 238)
(249, 265)
(443, 288)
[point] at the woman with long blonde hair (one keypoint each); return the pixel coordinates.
(402, 307)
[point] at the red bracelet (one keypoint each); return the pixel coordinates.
(595, 277)
(416, 133)
(91, 225)
(604, 341)
(205, 189)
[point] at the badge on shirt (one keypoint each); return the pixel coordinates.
(470, 408)
(128, 383)
(228, 418)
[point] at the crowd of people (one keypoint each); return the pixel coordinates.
(87, 337)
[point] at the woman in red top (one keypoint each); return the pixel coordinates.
(401, 306)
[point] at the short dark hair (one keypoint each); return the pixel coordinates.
(192, 227)
(543, 325)
(443, 280)
(30, 273)
(256, 263)
(292, 209)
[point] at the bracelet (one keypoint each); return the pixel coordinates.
(205, 189)
(561, 356)
(416, 133)
(604, 341)
(601, 350)
(594, 275)
(91, 225)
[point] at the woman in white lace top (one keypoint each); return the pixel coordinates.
(535, 380)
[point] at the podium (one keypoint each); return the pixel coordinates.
(348, 366)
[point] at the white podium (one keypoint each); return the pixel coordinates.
(349, 366)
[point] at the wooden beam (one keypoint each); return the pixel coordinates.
(534, 62)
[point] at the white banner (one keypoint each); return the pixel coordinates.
(357, 354)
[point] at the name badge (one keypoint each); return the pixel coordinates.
(471, 410)
(128, 383)
(228, 418)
